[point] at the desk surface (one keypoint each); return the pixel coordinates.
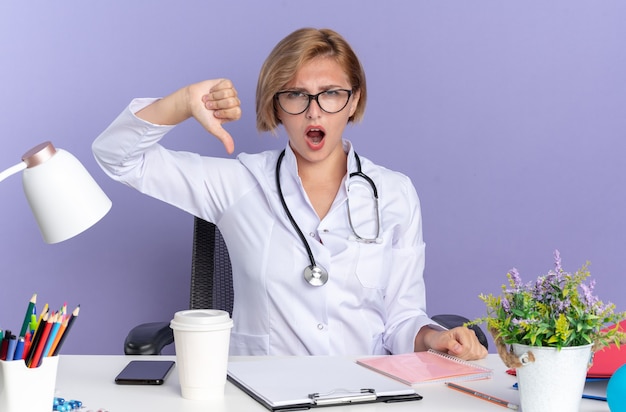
(89, 378)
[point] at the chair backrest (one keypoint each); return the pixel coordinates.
(211, 271)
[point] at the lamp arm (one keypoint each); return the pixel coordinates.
(12, 170)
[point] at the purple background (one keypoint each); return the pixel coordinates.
(508, 116)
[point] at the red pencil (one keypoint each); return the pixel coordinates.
(36, 339)
(42, 342)
(27, 343)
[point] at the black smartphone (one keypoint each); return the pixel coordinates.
(144, 372)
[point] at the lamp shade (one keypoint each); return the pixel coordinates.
(63, 196)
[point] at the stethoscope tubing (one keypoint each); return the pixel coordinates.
(314, 274)
(289, 215)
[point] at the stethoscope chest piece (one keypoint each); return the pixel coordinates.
(316, 275)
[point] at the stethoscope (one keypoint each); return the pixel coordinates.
(315, 274)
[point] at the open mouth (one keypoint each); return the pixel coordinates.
(315, 136)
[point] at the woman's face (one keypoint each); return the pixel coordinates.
(315, 135)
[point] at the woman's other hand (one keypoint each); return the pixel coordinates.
(460, 342)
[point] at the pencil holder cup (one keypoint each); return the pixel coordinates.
(31, 389)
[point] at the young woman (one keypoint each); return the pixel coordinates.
(326, 247)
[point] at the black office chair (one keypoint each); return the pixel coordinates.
(212, 288)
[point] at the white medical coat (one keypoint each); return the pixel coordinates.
(374, 301)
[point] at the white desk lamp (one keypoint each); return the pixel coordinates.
(63, 196)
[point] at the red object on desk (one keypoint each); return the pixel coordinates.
(36, 360)
(605, 361)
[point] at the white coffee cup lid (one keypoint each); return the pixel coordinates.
(201, 320)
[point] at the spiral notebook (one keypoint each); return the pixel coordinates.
(426, 367)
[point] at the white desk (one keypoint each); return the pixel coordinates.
(90, 380)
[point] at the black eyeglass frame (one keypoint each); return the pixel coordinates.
(313, 97)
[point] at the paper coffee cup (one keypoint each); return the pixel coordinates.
(201, 338)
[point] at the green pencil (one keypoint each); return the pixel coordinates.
(29, 311)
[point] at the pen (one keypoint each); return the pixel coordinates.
(482, 396)
(19, 349)
(4, 345)
(11, 348)
(33, 321)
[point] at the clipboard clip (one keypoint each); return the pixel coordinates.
(341, 396)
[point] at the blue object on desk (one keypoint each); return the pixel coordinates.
(61, 405)
(590, 395)
(589, 384)
(616, 390)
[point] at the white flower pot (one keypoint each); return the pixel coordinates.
(555, 380)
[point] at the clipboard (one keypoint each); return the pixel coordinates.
(300, 383)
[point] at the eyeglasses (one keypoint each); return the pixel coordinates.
(297, 102)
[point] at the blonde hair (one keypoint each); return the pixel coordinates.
(289, 55)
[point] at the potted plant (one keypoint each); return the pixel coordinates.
(542, 327)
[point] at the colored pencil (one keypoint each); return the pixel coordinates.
(57, 338)
(29, 311)
(45, 314)
(53, 332)
(70, 322)
(28, 340)
(35, 340)
(36, 361)
(45, 310)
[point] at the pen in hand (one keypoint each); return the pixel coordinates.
(482, 396)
